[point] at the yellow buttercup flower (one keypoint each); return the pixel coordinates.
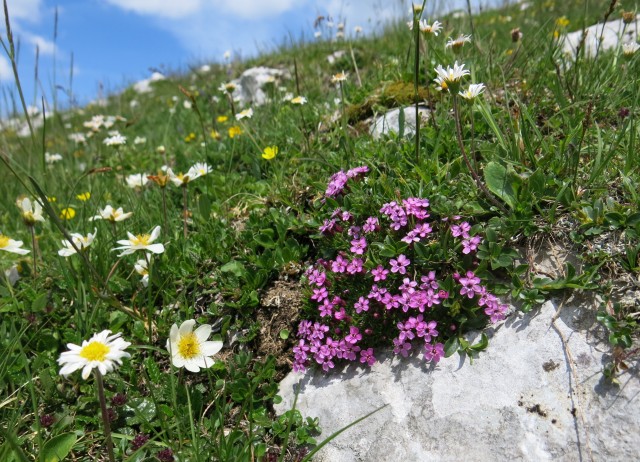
(222, 119)
(215, 135)
(269, 152)
(190, 137)
(68, 213)
(84, 196)
(234, 131)
(562, 21)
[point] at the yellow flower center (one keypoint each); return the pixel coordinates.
(95, 351)
(189, 346)
(4, 241)
(141, 239)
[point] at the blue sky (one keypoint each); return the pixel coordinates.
(116, 42)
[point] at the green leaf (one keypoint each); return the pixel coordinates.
(284, 334)
(501, 182)
(235, 267)
(451, 346)
(58, 447)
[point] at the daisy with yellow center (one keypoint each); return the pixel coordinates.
(299, 100)
(198, 170)
(81, 242)
(449, 79)
(474, 90)
(102, 351)
(457, 44)
(9, 245)
(31, 211)
(111, 214)
(246, 114)
(181, 179)
(339, 77)
(191, 349)
(140, 242)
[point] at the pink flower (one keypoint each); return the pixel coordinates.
(366, 356)
(433, 352)
(358, 246)
(379, 273)
(399, 265)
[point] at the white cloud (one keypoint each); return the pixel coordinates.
(6, 73)
(28, 10)
(254, 9)
(168, 9)
(45, 46)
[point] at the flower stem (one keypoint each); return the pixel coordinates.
(416, 76)
(185, 211)
(164, 208)
(105, 416)
(34, 244)
(474, 174)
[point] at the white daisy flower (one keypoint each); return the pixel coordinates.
(190, 349)
(142, 268)
(31, 211)
(339, 77)
(137, 180)
(140, 140)
(246, 114)
(474, 90)
(102, 351)
(181, 179)
(299, 100)
(52, 158)
(450, 77)
(140, 242)
(427, 28)
(115, 140)
(198, 170)
(81, 242)
(630, 48)
(111, 214)
(9, 245)
(229, 87)
(457, 44)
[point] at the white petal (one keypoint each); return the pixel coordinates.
(203, 332)
(211, 348)
(155, 248)
(187, 327)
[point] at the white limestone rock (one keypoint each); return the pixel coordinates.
(614, 34)
(390, 121)
(250, 85)
(519, 400)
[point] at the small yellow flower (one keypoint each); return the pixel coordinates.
(84, 196)
(68, 213)
(269, 152)
(562, 21)
(190, 137)
(234, 131)
(222, 119)
(215, 134)
(51, 199)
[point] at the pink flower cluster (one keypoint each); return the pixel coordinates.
(338, 181)
(360, 303)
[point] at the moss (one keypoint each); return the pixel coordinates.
(389, 95)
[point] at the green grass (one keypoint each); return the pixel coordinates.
(554, 143)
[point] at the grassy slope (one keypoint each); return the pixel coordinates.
(570, 158)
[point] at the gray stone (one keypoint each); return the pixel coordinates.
(249, 86)
(390, 122)
(614, 34)
(528, 397)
